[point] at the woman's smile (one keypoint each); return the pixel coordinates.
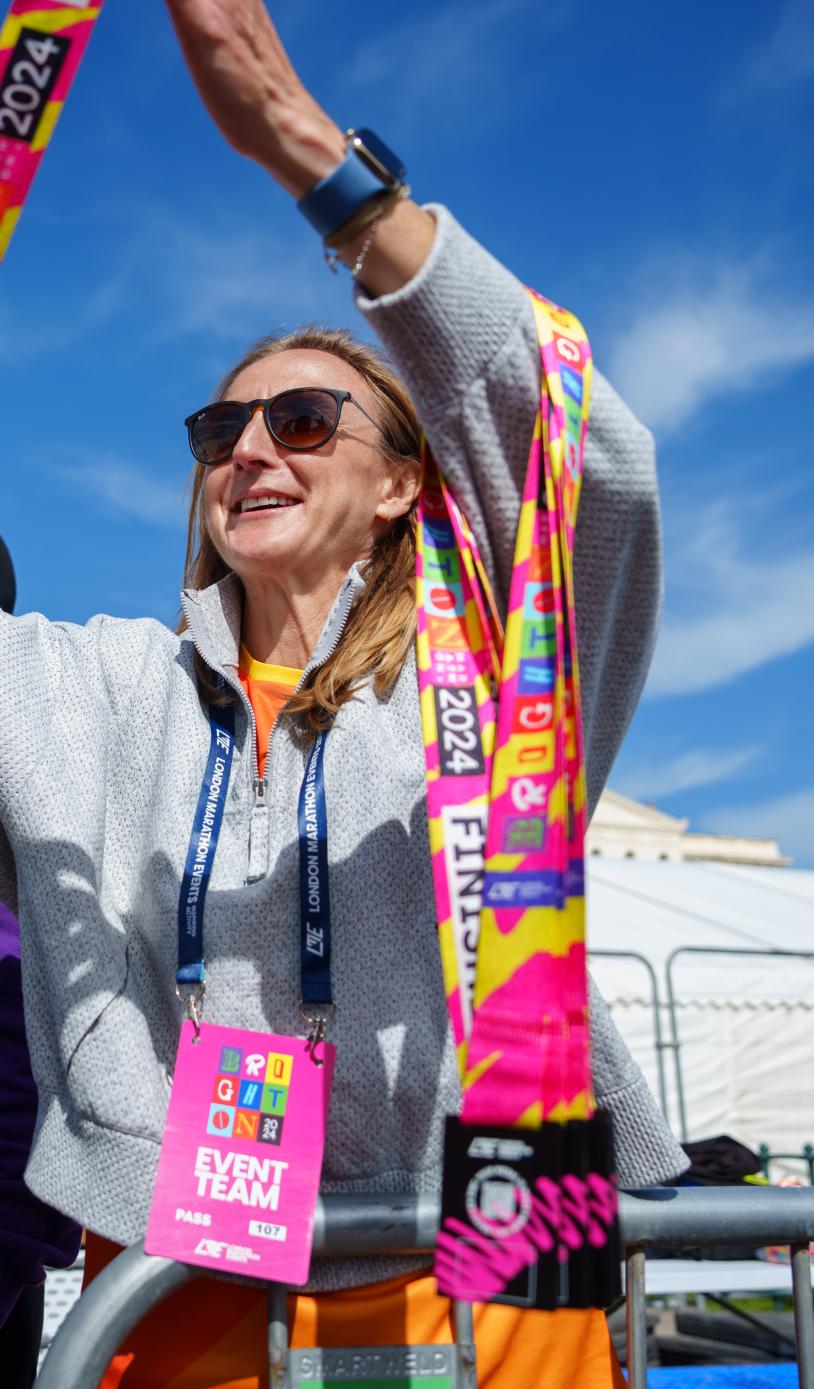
(262, 501)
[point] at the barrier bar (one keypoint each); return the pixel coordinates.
(354, 1225)
(717, 1215)
(121, 1294)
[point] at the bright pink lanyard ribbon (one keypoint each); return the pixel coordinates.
(506, 783)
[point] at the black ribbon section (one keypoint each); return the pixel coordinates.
(529, 1216)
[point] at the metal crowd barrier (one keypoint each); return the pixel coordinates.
(672, 1004)
(352, 1226)
(804, 1155)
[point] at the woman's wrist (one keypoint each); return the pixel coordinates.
(306, 146)
(402, 241)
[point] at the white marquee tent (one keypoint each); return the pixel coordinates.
(745, 1022)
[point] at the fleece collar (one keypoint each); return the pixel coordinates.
(215, 616)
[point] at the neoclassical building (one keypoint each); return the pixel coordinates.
(622, 828)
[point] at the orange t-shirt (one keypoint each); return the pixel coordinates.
(268, 687)
(213, 1335)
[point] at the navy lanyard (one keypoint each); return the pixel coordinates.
(315, 914)
(315, 905)
(202, 844)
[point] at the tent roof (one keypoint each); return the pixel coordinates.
(655, 909)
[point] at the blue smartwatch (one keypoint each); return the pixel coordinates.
(368, 169)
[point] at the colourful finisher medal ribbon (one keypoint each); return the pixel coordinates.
(506, 796)
(41, 45)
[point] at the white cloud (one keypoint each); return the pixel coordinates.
(789, 819)
(128, 490)
(220, 280)
(463, 54)
(744, 604)
(703, 334)
(698, 768)
(777, 63)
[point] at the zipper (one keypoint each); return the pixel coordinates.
(258, 830)
(261, 785)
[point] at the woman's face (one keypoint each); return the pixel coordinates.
(338, 494)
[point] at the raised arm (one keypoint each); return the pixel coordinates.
(248, 84)
(459, 328)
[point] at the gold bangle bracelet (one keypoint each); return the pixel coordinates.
(361, 220)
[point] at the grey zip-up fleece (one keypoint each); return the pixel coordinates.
(103, 743)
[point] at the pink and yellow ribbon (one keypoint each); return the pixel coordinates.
(41, 45)
(506, 776)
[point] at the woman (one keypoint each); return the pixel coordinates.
(105, 737)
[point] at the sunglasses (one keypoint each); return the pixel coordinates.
(304, 418)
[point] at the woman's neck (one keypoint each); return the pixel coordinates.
(281, 627)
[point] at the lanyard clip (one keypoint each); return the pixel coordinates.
(192, 999)
(317, 1016)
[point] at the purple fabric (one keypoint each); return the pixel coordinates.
(31, 1233)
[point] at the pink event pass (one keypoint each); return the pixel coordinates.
(240, 1162)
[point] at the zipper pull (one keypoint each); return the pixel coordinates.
(258, 834)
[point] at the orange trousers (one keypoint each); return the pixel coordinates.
(212, 1335)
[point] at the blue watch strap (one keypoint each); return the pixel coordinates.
(333, 201)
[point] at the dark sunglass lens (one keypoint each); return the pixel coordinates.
(303, 419)
(215, 433)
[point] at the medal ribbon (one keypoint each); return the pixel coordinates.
(41, 45)
(506, 779)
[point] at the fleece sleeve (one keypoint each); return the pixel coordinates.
(461, 333)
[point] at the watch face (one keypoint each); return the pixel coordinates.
(376, 153)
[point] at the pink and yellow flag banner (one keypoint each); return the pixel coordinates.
(41, 46)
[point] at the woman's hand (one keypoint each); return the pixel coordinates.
(251, 91)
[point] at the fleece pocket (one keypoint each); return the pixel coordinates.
(116, 1076)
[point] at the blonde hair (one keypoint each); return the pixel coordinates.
(381, 625)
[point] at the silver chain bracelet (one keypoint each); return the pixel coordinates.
(333, 259)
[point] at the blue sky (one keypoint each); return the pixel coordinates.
(648, 166)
